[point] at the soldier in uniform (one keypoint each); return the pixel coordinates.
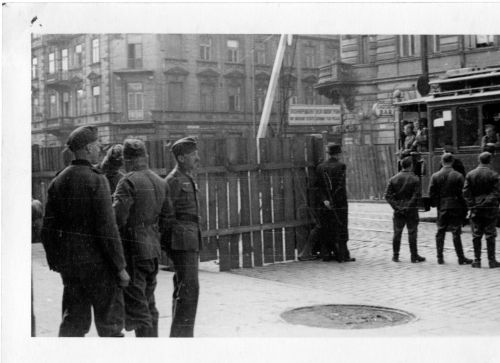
(82, 243)
(332, 216)
(141, 204)
(111, 164)
(445, 192)
(183, 242)
(402, 194)
(482, 194)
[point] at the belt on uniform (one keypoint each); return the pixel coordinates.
(187, 217)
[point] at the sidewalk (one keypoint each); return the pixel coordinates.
(448, 300)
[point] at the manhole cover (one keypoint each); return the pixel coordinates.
(347, 316)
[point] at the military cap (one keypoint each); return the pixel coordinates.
(133, 148)
(183, 146)
(333, 148)
(447, 158)
(114, 156)
(81, 137)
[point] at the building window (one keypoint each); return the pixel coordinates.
(309, 95)
(233, 50)
(175, 96)
(135, 104)
(407, 45)
(260, 97)
(65, 104)
(207, 97)
(135, 55)
(78, 55)
(330, 52)
(309, 56)
(364, 49)
(79, 102)
(174, 46)
(234, 98)
(205, 47)
(260, 53)
(95, 50)
(433, 44)
(467, 126)
(96, 99)
(52, 105)
(479, 41)
(288, 58)
(64, 60)
(35, 108)
(34, 67)
(52, 63)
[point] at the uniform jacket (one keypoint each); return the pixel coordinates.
(79, 226)
(331, 181)
(184, 230)
(403, 191)
(141, 202)
(482, 191)
(113, 177)
(445, 189)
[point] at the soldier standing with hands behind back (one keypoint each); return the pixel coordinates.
(482, 194)
(141, 204)
(183, 241)
(82, 243)
(402, 193)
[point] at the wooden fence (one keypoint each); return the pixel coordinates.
(253, 213)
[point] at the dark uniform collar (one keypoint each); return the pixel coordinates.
(81, 162)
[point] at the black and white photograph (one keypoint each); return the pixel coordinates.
(328, 171)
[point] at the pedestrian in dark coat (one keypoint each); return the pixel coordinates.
(333, 218)
(402, 193)
(111, 165)
(457, 165)
(82, 243)
(183, 242)
(482, 194)
(445, 193)
(36, 226)
(141, 204)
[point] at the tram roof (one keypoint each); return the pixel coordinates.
(414, 101)
(432, 99)
(487, 73)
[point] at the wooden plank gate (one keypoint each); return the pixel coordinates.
(251, 213)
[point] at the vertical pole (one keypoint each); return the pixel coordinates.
(424, 55)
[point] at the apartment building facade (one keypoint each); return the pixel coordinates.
(165, 86)
(375, 71)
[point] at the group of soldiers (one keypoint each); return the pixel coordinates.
(104, 230)
(453, 193)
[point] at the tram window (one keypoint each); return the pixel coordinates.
(442, 128)
(467, 126)
(491, 115)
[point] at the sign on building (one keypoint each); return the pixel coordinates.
(314, 115)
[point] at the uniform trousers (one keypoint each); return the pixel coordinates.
(186, 291)
(140, 307)
(87, 287)
(410, 220)
(484, 226)
(449, 220)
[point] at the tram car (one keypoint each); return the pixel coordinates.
(462, 107)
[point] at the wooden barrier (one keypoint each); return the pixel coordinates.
(253, 213)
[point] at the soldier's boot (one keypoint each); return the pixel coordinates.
(395, 250)
(490, 245)
(439, 249)
(476, 242)
(143, 332)
(414, 253)
(462, 260)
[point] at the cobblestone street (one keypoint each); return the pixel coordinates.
(448, 300)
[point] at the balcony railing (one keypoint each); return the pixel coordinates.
(63, 78)
(57, 123)
(336, 72)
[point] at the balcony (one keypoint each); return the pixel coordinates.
(336, 81)
(59, 126)
(63, 79)
(334, 74)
